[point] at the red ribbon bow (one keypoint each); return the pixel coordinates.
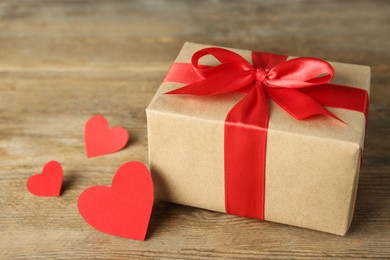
(300, 86)
(270, 76)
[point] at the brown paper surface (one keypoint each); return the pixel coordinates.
(312, 165)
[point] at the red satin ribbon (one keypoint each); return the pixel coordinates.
(300, 86)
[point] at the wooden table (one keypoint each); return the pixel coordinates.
(63, 61)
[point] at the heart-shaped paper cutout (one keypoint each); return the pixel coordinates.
(123, 209)
(49, 182)
(100, 139)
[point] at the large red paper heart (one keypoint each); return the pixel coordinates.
(49, 182)
(123, 209)
(100, 139)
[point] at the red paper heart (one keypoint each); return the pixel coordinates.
(49, 182)
(100, 139)
(124, 208)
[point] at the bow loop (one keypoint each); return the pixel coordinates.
(229, 60)
(300, 73)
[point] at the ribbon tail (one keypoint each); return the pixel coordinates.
(339, 96)
(245, 153)
(182, 73)
(298, 104)
(345, 97)
(216, 84)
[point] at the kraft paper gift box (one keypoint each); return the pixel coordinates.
(311, 165)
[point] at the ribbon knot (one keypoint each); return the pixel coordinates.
(260, 74)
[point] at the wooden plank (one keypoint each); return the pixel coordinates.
(134, 33)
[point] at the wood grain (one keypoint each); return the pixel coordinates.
(63, 61)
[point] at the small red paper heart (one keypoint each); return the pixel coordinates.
(123, 209)
(100, 139)
(49, 182)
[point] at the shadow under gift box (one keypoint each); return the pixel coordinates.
(312, 165)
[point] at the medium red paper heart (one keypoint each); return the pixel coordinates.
(123, 209)
(100, 139)
(49, 182)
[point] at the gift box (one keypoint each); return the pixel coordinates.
(260, 135)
